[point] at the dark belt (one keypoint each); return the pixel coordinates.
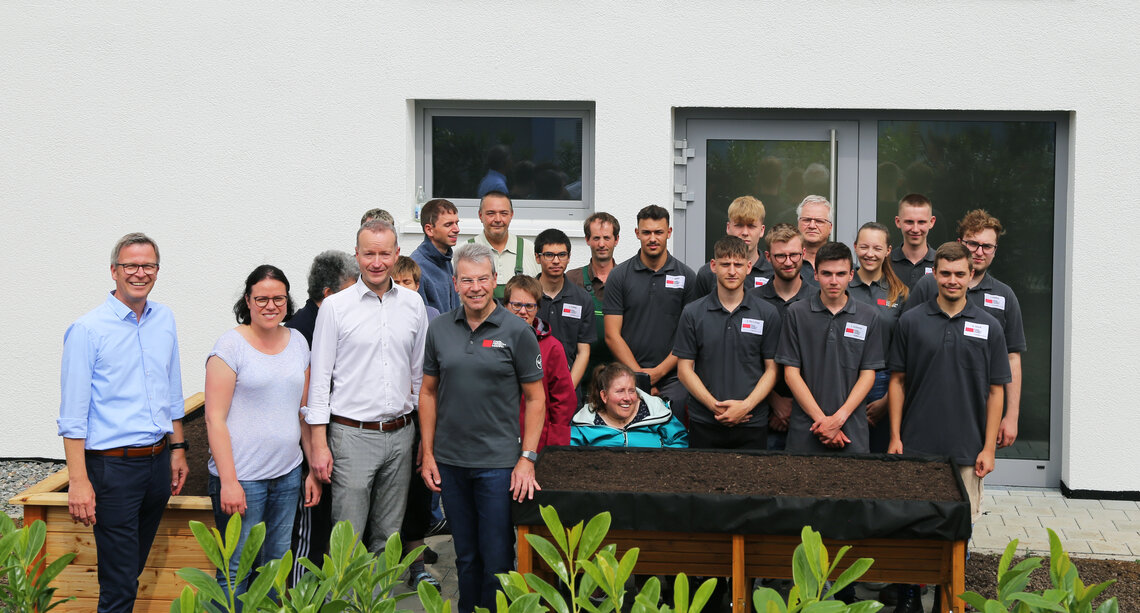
(383, 426)
(141, 451)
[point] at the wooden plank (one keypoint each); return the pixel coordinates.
(172, 552)
(59, 499)
(86, 605)
(958, 576)
(173, 522)
(739, 589)
(154, 583)
(525, 554)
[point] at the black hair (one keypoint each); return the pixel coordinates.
(261, 273)
(833, 251)
(550, 236)
(653, 212)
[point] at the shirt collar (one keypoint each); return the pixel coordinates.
(932, 308)
(897, 255)
(668, 266)
(857, 281)
(362, 290)
(817, 304)
(495, 318)
(122, 311)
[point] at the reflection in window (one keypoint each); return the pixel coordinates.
(780, 173)
(1007, 168)
(536, 158)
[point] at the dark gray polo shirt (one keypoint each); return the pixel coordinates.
(650, 304)
(759, 276)
(570, 315)
(911, 273)
(875, 295)
(995, 297)
(950, 363)
(769, 295)
(477, 415)
(729, 350)
(830, 350)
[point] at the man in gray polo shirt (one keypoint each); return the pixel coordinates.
(914, 258)
(786, 255)
(948, 366)
(644, 298)
(725, 348)
(478, 361)
(979, 232)
(746, 222)
(830, 346)
(368, 346)
(567, 308)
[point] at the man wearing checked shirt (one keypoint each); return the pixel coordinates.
(120, 416)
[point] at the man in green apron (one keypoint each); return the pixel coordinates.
(510, 251)
(601, 231)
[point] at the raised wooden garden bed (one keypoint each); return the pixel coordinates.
(739, 514)
(174, 546)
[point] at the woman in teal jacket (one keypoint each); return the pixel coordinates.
(617, 414)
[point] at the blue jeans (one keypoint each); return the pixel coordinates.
(478, 503)
(273, 501)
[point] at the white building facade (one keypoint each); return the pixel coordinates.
(237, 134)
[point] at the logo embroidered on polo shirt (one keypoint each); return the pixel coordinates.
(752, 326)
(675, 281)
(995, 302)
(976, 330)
(494, 344)
(572, 310)
(760, 281)
(855, 331)
(538, 361)
(882, 302)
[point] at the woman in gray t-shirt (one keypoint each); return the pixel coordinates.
(257, 377)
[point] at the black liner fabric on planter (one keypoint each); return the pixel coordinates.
(681, 511)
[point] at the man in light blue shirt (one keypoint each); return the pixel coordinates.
(120, 416)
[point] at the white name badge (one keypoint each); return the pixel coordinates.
(929, 270)
(760, 281)
(976, 330)
(994, 302)
(572, 310)
(752, 326)
(856, 331)
(675, 281)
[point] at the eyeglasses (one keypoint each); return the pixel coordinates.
(987, 248)
(130, 269)
(468, 282)
(787, 257)
(522, 306)
(263, 301)
(550, 256)
(814, 221)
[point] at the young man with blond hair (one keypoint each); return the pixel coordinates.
(746, 222)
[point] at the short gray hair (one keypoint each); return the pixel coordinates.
(377, 214)
(816, 200)
(476, 253)
(134, 238)
(331, 269)
(377, 226)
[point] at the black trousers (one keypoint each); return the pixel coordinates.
(130, 496)
(716, 436)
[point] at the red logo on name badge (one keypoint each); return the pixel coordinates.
(487, 342)
(882, 302)
(850, 330)
(970, 329)
(746, 326)
(989, 300)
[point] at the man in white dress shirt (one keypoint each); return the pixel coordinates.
(366, 369)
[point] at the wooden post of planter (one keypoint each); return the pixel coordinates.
(526, 560)
(739, 589)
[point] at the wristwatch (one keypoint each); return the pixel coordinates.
(530, 455)
(182, 445)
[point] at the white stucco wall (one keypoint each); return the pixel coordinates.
(250, 132)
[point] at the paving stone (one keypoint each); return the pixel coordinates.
(1083, 535)
(1133, 515)
(1074, 546)
(1020, 521)
(1082, 503)
(1109, 547)
(1109, 515)
(1122, 505)
(1061, 523)
(1074, 513)
(1127, 526)
(1100, 525)
(1032, 511)
(989, 543)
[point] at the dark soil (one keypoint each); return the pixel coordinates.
(705, 472)
(194, 429)
(981, 577)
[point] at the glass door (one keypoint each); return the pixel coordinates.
(778, 162)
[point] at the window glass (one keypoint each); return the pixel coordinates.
(1009, 169)
(531, 158)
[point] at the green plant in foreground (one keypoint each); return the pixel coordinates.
(585, 567)
(350, 579)
(1068, 594)
(28, 588)
(810, 592)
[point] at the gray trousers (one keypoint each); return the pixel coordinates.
(370, 480)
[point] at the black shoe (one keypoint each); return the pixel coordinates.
(430, 556)
(910, 600)
(439, 527)
(889, 595)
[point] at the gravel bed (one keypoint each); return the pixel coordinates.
(18, 475)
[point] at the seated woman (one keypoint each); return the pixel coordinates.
(257, 378)
(618, 414)
(522, 294)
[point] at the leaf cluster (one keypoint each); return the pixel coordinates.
(29, 575)
(811, 592)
